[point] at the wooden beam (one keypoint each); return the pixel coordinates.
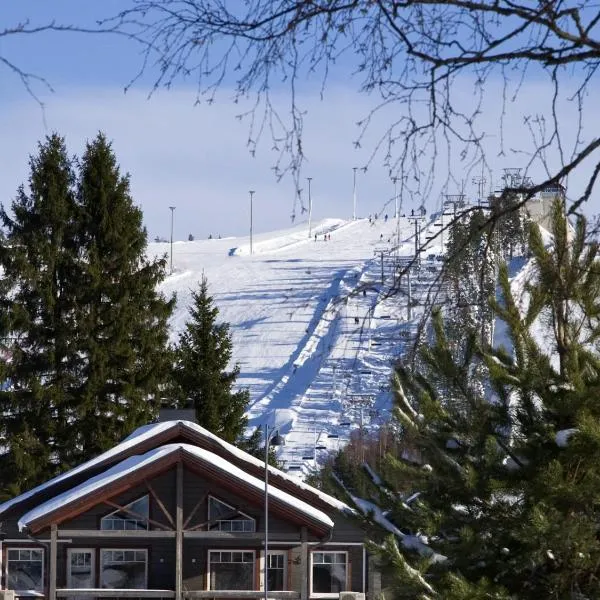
(195, 510)
(304, 591)
(135, 514)
(133, 533)
(160, 504)
(53, 559)
(179, 533)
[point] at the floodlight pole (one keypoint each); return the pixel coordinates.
(266, 581)
(251, 197)
(354, 195)
(309, 208)
(271, 438)
(172, 211)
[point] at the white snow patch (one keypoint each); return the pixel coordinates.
(562, 436)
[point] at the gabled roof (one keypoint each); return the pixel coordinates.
(154, 436)
(136, 468)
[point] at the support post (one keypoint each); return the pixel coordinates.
(304, 592)
(53, 559)
(374, 583)
(179, 534)
(382, 275)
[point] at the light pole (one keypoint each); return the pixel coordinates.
(309, 208)
(395, 180)
(354, 195)
(172, 211)
(251, 197)
(272, 438)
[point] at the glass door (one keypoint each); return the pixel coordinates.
(81, 568)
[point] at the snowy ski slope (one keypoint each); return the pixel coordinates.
(311, 331)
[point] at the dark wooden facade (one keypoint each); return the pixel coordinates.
(175, 550)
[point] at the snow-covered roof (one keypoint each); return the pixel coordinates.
(129, 466)
(147, 432)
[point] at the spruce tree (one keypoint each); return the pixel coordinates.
(507, 443)
(38, 256)
(123, 326)
(200, 374)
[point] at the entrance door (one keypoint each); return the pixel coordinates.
(81, 568)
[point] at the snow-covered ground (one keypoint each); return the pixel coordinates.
(312, 331)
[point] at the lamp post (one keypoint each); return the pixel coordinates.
(172, 211)
(395, 180)
(309, 208)
(251, 197)
(354, 195)
(272, 438)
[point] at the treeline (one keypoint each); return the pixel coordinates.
(489, 470)
(84, 332)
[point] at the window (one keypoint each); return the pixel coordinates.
(276, 571)
(231, 570)
(123, 569)
(224, 517)
(329, 572)
(80, 572)
(136, 516)
(25, 569)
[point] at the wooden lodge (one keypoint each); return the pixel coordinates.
(175, 512)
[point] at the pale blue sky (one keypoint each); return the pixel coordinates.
(195, 157)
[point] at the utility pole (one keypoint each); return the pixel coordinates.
(172, 208)
(409, 315)
(354, 195)
(251, 197)
(309, 208)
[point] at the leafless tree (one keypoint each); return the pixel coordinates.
(31, 81)
(413, 56)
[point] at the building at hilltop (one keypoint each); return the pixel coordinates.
(175, 512)
(538, 208)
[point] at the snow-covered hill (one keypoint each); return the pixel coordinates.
(313, 337)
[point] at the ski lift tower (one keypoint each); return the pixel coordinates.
(417, 218)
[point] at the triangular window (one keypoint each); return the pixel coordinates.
(133, 516)
(224, 517)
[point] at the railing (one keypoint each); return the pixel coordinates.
(246, 594)
(89, 593)
(112, 593)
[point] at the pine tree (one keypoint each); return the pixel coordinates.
(202, 356)
(507, 439)
(123, 326)
(38, 255)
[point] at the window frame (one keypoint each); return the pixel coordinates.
(263, 571)
(29, 549)
(312, 593)
(95, 573)
(131, 518)
(219, 521)
(220, 550)
(101, 565)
